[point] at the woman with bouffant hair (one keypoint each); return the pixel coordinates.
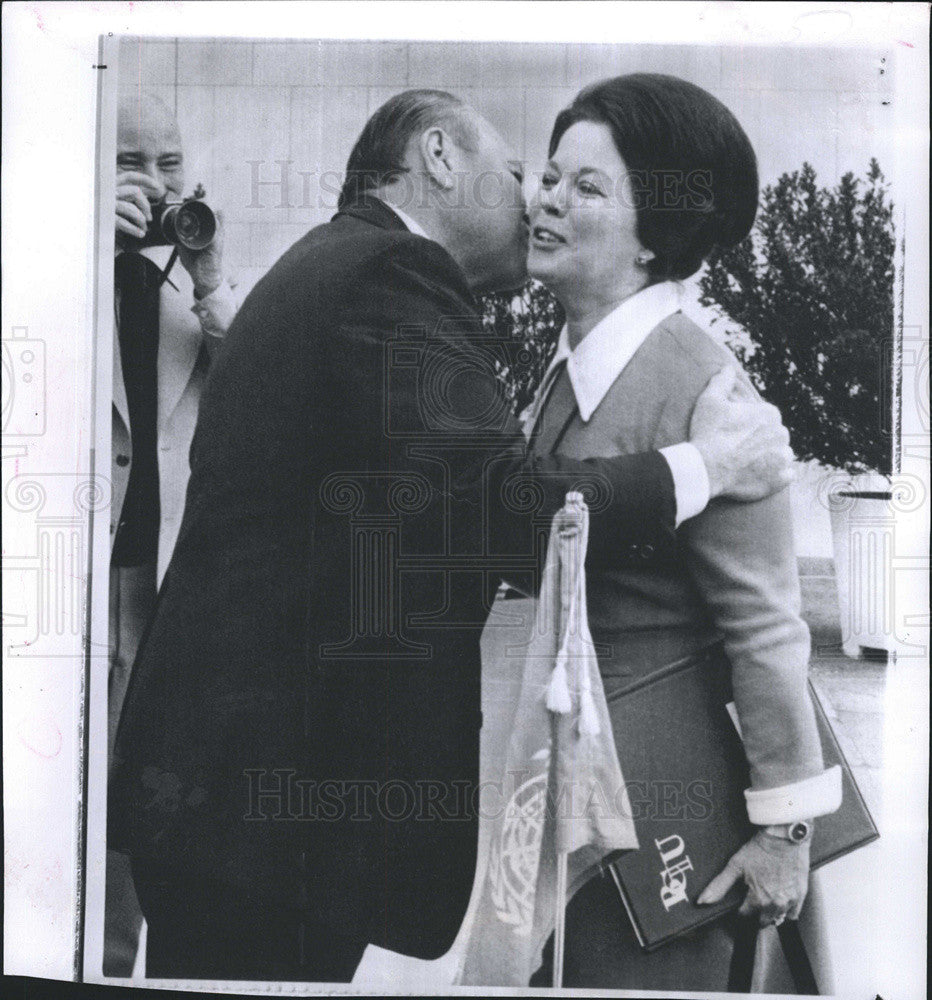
(647, 175)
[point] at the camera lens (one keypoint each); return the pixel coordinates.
(187, 226)
(192, 224)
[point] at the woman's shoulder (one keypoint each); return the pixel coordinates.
(688, 354)
(670, 371)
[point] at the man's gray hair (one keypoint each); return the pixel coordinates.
(379, 153)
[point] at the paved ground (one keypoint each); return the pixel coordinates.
(851, 690)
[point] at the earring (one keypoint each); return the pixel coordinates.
(644, 258)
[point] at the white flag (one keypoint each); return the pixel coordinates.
(563, 787)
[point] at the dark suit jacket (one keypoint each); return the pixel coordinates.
(303, 717)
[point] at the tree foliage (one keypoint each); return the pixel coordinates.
(812, 290)
(526, 324)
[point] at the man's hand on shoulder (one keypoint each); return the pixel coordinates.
(742, 440)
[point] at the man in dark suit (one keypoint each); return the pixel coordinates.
(298, 754)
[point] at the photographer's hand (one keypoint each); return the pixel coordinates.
(742, 440)
(205, 266)
(135, 191)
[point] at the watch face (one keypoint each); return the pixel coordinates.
(799, 832)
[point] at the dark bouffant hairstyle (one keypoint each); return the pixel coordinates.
(379, 153)
(690, 165)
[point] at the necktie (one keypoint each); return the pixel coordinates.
(557, 405)
(138, 281)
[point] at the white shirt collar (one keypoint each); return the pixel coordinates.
(602, 355)
(408, 221)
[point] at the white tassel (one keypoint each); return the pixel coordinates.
(558, 692)
(559, 699)
(588, 717)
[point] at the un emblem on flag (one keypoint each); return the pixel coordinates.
(514, 858)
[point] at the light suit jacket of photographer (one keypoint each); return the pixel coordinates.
(633, 383)
(189, 331)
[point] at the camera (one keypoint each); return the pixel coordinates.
(189, 223)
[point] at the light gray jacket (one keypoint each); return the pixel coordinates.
(735, 576)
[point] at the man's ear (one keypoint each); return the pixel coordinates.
(436, 149)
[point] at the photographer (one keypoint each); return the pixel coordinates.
(168, 321)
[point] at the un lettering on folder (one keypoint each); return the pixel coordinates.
(684, 763)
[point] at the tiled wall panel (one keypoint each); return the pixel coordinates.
(244, 106)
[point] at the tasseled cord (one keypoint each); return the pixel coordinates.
(559, 699)
(588, 717)
(558, 691)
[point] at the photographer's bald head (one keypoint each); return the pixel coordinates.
(150, 161)
(150, 175)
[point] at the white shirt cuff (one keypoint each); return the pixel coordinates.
(216, 311)
(690, 480)
(806, 799)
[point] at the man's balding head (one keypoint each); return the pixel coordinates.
(381, 152)
(440, 162)
(149, 142)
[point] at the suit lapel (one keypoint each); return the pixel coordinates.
(180, 340)
(555, 415)
(120, 402)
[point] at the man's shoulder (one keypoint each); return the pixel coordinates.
(347, 251)
(390, 255)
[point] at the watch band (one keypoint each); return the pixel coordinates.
(797, 833)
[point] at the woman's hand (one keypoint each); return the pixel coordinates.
(777, 875)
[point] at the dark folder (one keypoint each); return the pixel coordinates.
(685, 768)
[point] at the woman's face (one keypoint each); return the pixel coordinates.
(583, 222)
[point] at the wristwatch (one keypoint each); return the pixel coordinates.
(799, 832)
